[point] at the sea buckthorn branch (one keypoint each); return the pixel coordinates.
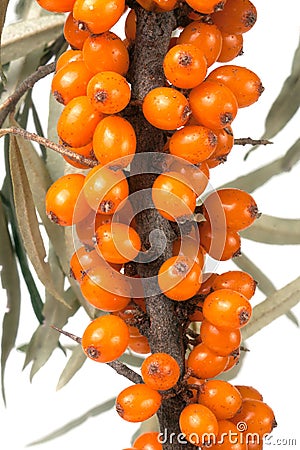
(9, 104)
(250, 141)
(61, 149)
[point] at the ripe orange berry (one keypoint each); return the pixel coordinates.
(105, 52)
(205, 363)
(236, 280)
(104, 288)
(105, 189)
(64, 204)
(117, 242)
(139, 345)
(70, 81)
(245, 84)
(189, 247)
(249, 392)
(173, 196)
(220, 244)
(165, 5)
(221, 341)
(194, 143)
(237, 16)
(185, 66)
(226, 308)
(225, 141)
(114, 142)
(77, 122)
(86, 151)
(232, 46)
(67, 57)
(138, 403)
(166, 108)
(98, 15)
(198, 424)
(206, 6)
(85, 229)
(105, 339)
(179, 278)
(213, 104)
(75, 32)
(148, 441)
(221, 397)
(130, 26)
(257, 415)
(57, 5)
(207, 37)
(198, 176)
(109, 92)
(233, 360)
(83, 260)
(194, 385)
(229, 437)
(160, 371)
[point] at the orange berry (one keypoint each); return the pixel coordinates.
(236, 280)
(148, 441)
(232, 46)
(226, 308)
(206, 6)
(221, 341)
(67, 57)
(83, 260)
(257, 415)
(225, 141)
(70, 81)
(249, 392)
(221, 397)
(98, 15)
(105, 339)
(130, 26)
(220, 244)
(198, 424)
(229, 437)
(85, 229)
(237, 16)
(205, 363)
(166, 108)
(75, 32)
(138, 403)
(198, 176)
(189, 247)
(86, 151)
(160, 371)
(57, 5)
(139, 345)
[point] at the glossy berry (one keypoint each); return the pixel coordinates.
(257, 415)
(232, 46)
(105, 189)
(221, 397)
(138, 403)
(117, 243)
(77, 122)
(104, 288)
(229, 437)
(198, 423)
(105, 52)
(105, 339)
(166, 5)
(148, 441)
(75, 32)
(85, 229)
(225, 141)
(189, 246)
(249, 392)
(86, 152)
(109, 92)
(70, 81)
(67, 57)
(237, 16)
(220, 243)
(160, 371)
(236, 280)
(139, 345)
(166, 108)
(194, 143)
(206, 37)
(222, 341)
(64, 204)
(179, 278)
(114, 142)
(98, 15)
(82, 260)
(226, 308)
(206, 6)
(245, 84)
(57, 5)
(205, 363)
(173, 196)
(185, 66)
(213, 104)
(130, 26)
(198, 176)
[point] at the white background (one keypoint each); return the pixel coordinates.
(272, 365)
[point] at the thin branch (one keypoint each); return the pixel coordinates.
(61, 149)
(9, 104)
(250, 141)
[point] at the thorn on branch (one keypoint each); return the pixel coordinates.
(250, 141)
(66, 333)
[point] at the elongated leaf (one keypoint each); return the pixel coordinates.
(277, 304)
(286, 104)
(274, 230)
(27, 219)
(23, 37)
(291, 157)
(54, 161)
(75, 362)
(131, 360)
(106, 406)
(10, 282)
(3, 8)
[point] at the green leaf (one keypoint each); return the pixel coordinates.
(10, 282)
(23, 37)
(96, 411)
(131, 360)
(75, 362)
(3, 8)
(286, 104)
(274, 230)
(275, 305)
(55, 162)
(291, 157)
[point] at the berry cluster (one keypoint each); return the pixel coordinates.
(195, 109)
